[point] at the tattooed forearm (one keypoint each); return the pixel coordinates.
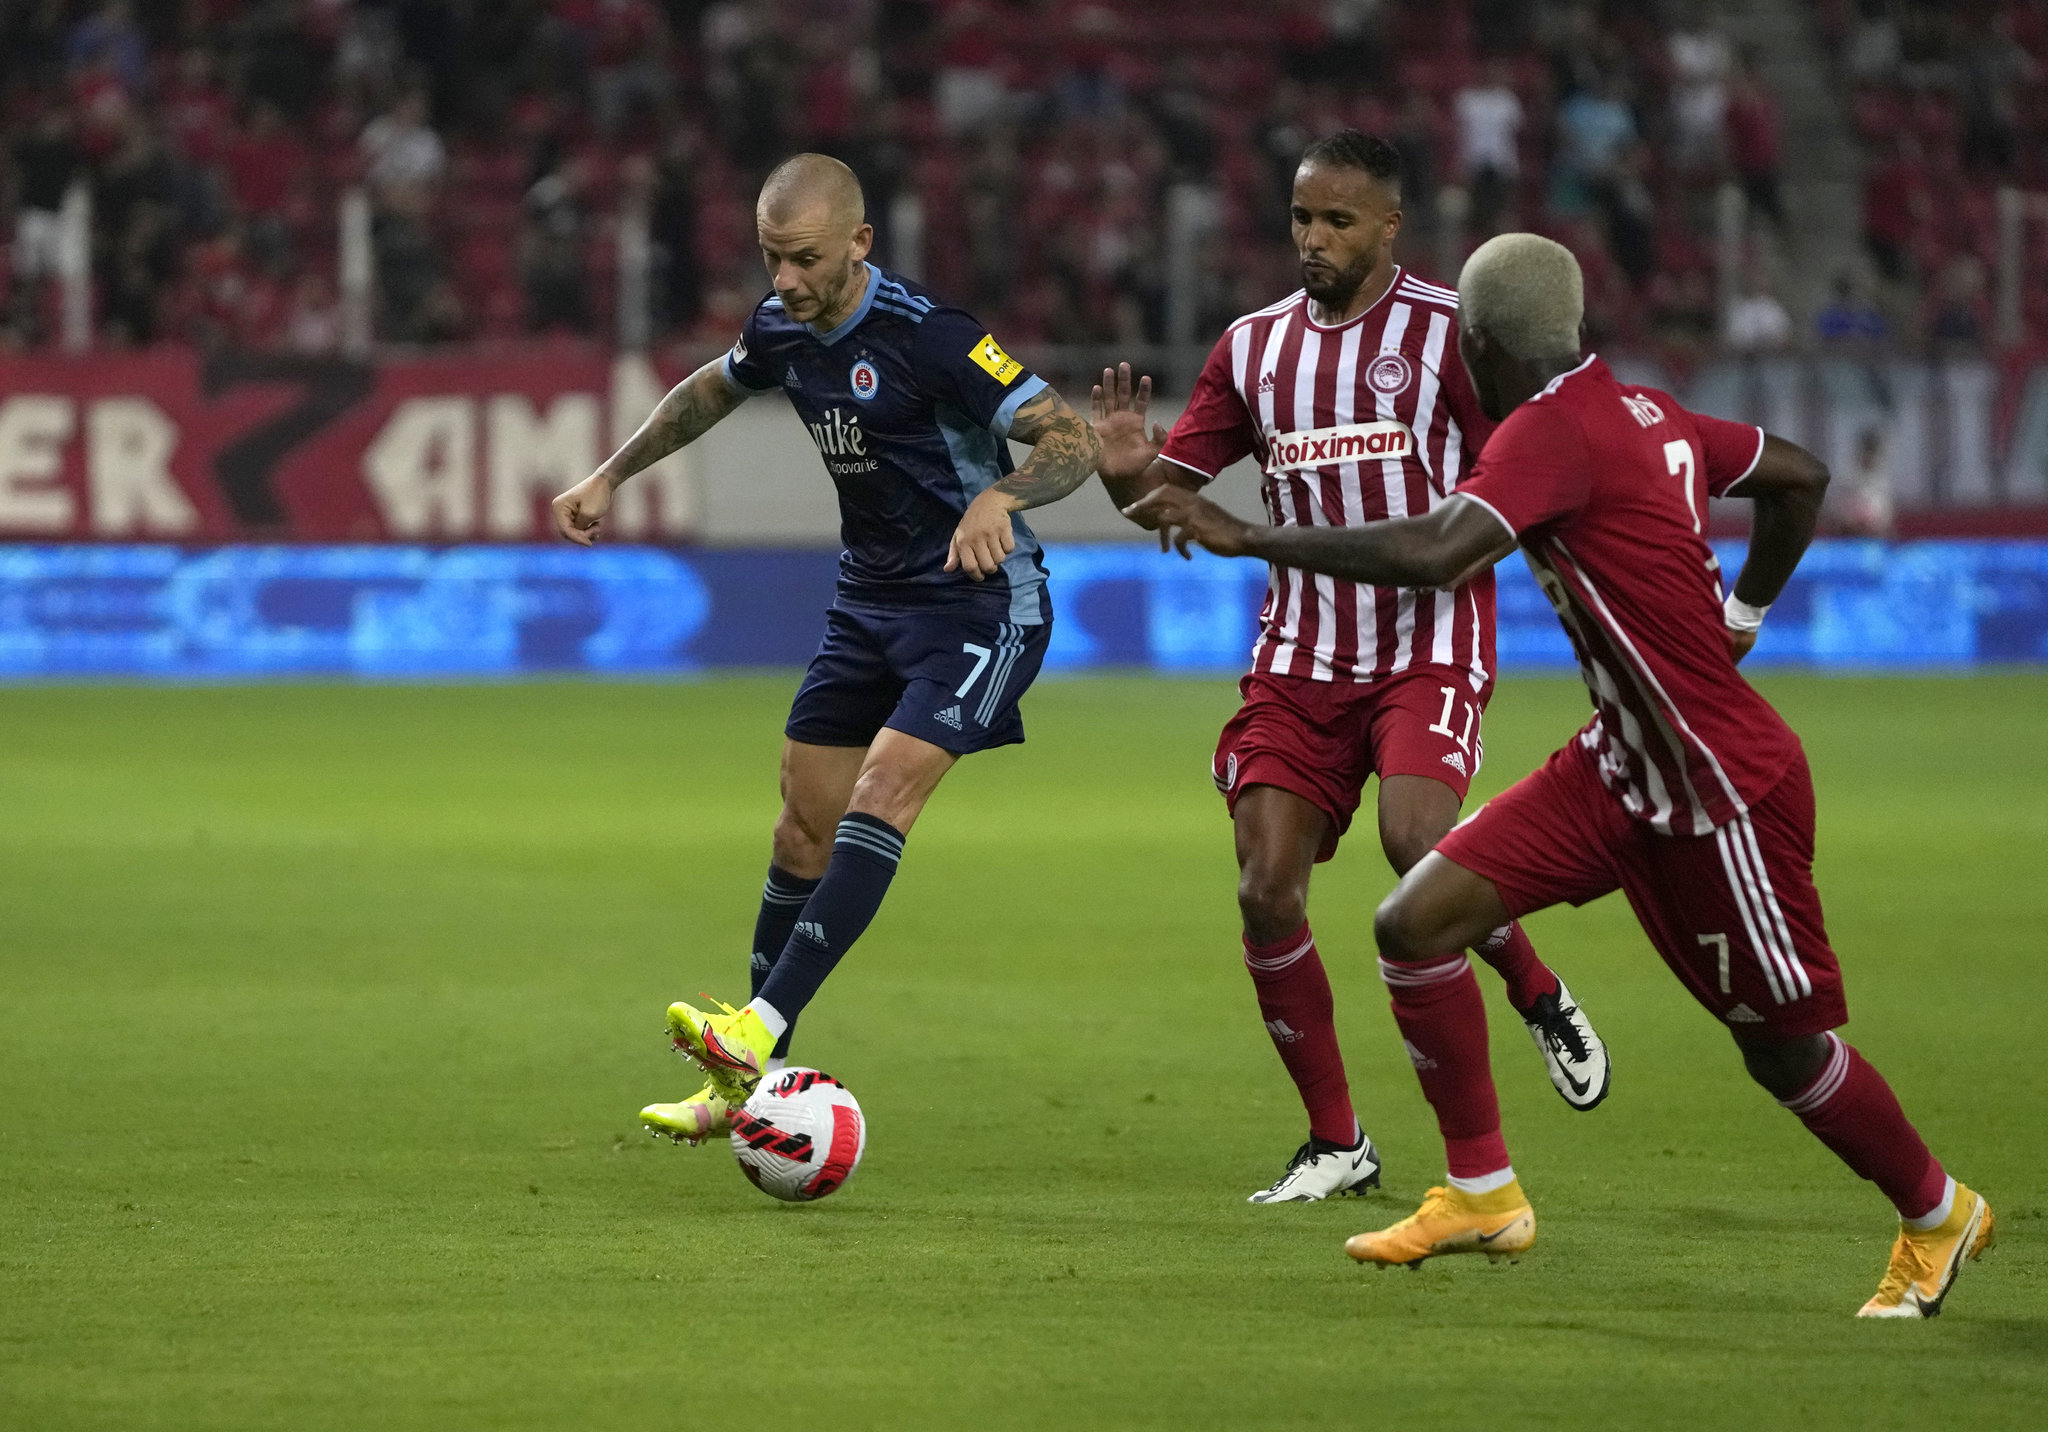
(1064, 451)
(689, 411)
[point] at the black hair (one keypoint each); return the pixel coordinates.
(1355, 149)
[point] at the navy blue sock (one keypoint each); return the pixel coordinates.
(864, 856)
(782, 904)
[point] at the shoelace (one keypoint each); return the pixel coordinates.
(1908, 1266)
(1559, 1031)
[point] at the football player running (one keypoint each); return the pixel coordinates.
(1349, 394)
(1686, 791)
(941, 618)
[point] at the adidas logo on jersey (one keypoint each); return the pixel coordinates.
(1417, 1057)
(1743, 1014)
(1456, 761)
(811, 930)
(790, 379)
(1279, 1030)
(1266, 383)
(949, 717)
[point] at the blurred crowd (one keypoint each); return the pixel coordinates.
(1046, 142)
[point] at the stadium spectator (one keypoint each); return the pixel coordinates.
(1757, 321)
(553, 259)
(1958, 315)
(1490, 121)
(1849, 318)
(401, 151)
(312, 324)
(1754, 142)
(1595, 127)
(1701, 61)
(46, 161)
(109, 39)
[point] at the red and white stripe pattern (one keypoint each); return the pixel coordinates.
(1762, 919)
(1295, 376)
(1286, 959)
(1420, 976)
(1826, 1083)
(1649, 754)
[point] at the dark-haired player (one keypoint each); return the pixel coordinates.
(941, 617)
(1686, 791)
(1349, 393)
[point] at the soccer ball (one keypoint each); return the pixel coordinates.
(800, 1136)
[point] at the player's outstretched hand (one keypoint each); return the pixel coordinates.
(984, 536)
(1181, 517)
(1739, 643)
(1120, 424)
(579, 510)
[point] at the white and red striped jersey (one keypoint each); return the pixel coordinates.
(1359, 422)
(1605, 486)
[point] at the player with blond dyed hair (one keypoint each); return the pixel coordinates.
(1686, 791)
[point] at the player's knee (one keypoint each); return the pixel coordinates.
(803, 842)
(1273, 903)
(1783, 1066)
(1397, 930)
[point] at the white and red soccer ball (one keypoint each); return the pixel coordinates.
(800, 1136)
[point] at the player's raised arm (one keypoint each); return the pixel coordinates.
(1787, 484)
(1130, 464)
(1442, 548)
(689, 410)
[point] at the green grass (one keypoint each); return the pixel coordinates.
(325, 1012)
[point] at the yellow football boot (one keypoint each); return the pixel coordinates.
(1499, 1224)
(699, 1117)
(1924, 1265)
(733, 1047)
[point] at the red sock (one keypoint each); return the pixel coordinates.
(1850, 1108)
(1515, 960)
(1294, 1000)
(1443, 1021)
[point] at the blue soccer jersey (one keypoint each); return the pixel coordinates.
(910, 402)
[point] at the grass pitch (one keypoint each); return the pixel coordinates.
(325, 1014)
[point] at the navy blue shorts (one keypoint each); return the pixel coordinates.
(946, 676)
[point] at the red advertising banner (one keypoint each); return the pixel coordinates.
(171, 445)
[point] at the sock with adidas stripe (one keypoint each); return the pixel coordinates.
(864, 857)
(1295, 1003)
(783, 898)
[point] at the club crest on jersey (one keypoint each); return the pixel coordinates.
(1324, 447)
(864, 380)
(1390, 373)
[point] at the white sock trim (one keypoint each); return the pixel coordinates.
(1486, 1182)
(770, 1016)
(1937, 1215)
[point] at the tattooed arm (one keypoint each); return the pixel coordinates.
(1064, 452)
(689, 411)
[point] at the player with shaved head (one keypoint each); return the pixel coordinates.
(1349, 394)
(941, 618)
(1686, 791)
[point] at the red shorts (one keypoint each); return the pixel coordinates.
(1734, 913)
(1322, 740)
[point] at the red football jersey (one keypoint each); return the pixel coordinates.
(1605, 487)
(1371, 419)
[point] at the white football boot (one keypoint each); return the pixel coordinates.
(1572, 1052)
(1320, 1169)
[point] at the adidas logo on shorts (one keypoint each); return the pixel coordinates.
(949, 717)
(1456, 761)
